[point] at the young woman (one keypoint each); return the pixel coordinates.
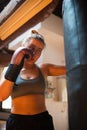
(26, 83)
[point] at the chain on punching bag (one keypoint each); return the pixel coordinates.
(75, 41)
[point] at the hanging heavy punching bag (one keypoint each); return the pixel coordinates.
(75, 42)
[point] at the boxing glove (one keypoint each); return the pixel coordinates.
(17, 62)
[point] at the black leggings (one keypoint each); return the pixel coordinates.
(42, 121)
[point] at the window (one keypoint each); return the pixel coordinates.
(7, 103)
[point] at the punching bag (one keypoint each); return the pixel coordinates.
(75, 41)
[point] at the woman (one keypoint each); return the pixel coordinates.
(25, 82)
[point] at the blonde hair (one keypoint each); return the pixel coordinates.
(34, 34)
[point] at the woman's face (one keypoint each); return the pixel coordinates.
(36, 47)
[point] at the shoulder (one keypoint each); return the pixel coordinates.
(44, 68)
(47, 66)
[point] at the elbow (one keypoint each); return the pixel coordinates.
(2, 98)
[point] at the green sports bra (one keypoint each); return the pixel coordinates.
(24, 87)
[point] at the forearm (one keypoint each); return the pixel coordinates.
(61, 71)
(56, 70)
(6, 87)
(13, 71)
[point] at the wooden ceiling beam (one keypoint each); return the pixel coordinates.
(24, 13)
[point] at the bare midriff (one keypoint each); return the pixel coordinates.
(28, 105)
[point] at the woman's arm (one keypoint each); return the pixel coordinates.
(6, 87)
(53, 70)
(16, 64)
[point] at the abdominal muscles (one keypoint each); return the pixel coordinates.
(28, 105)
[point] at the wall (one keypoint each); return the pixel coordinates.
(52, 31)
(58, 110)
(56, 102)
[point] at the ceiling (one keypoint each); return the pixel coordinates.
(18, 16)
